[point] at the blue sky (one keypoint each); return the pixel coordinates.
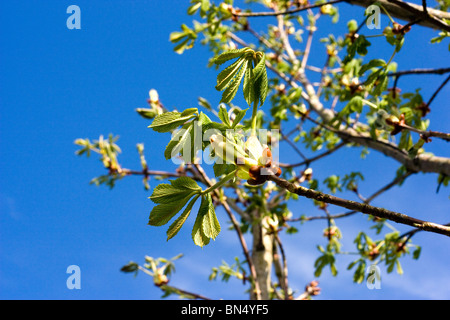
(57, 85)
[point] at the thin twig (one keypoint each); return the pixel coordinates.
(285, 138)
(310, 160)
(361, 207)
(391, 184)
(419, 71)
(279, 13)
(437, 91)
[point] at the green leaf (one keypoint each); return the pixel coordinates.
(261, 83)
(204, 103)
(193, 9)
(185, 183)
(239, 115)
(205, 5)
(226, 76)
(210, 225)
(189, 112)
(223, 168)
(356, 104)
(178, 223)
(232, 88)
(163, 213)
(223, 115)
(230, 54)
(206, 225)
(170, 120)
(416, 253)
(372, 64)
(249, 88)
(382, 85)
(361, 45)
(166, 193)
(180, 140)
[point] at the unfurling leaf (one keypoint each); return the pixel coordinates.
(171, 120)
(206, 225)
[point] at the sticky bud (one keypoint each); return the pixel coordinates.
(255, 172)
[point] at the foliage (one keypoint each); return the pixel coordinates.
(364, 103)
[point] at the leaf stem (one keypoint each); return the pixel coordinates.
(254, 116)
(370, 104)
(220, 183)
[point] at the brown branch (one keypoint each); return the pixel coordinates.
(308, 161)
(391, 184)
(280, 13)
(419, 71)
(361, 207)
(430, 18)
(154, 173)
(437, 91)
(426, 134)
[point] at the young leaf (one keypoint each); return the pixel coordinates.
(249, 89)
(178, 223)
(206, 225)
(223, 168)
(238, 117)
(185, 183)
(163, 213)
(200, 239)
(261, 83)
(166, 193)
(227, 75)
(170, 120)
(232, 88)
(180, 140)
(228, 55)
(210, 224)
(372, 64)
(223, 115)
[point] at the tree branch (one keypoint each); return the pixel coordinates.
(361, 207)
(410, 12)
(419, 71)
(280, 13)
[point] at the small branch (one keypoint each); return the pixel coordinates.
(419, 71)
(437, 91)
(308, 47)
(308, 161)
(154, 173)
(361, 207)
(430, 18)
(426, 134)
(279, 13)
(285, 138)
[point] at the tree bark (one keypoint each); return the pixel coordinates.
(262, 256)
